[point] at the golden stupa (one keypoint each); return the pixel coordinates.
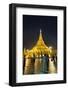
(34, 63)
(40, 48)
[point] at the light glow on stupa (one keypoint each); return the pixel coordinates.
(39, 58)
(39, 48)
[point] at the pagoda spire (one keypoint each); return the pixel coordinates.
(40, 41)
(40, 31)
(40, 36)
(40, 46)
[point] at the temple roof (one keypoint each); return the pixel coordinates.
(40, 46)
(40, 42)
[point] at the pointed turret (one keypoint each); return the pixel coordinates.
(40, 46)
(40, 35)
(40, 41)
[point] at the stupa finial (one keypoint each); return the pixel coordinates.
(40, 30)
(40, 41)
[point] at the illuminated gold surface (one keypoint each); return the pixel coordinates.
(39, 49)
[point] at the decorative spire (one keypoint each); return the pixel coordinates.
(40, 40)
(39, 47)
(40, 31)
(40, 36)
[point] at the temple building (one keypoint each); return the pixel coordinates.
(39, 59)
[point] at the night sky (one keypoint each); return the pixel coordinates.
(31, 29)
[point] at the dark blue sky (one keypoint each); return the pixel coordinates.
(31, 29)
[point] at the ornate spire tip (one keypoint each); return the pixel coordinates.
(40, 30)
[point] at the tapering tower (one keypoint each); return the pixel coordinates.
(40, 46)
(34, 61)
(40, 42)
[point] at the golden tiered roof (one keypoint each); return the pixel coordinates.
(40, 43)
(39, 48)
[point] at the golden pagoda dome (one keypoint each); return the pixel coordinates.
(39, 48)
